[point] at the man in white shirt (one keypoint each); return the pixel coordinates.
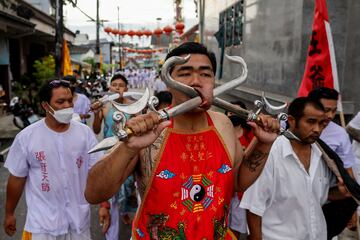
(49, 159)
(334, 135)
(353, 129)
(159, 85)
(338, 140)
(81, 102)
(285, 201)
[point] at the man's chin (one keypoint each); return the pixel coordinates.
(311, 140)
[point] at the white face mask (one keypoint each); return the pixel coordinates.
(63, 115)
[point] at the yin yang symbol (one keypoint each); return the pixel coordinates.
(197, 193)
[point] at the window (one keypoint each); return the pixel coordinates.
(231, 22)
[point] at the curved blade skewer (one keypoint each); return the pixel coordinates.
(271, 109)
(170, 82)
(236, 81)
(105, 144)
(135, 107)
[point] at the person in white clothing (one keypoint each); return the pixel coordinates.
(334, 135)
(285, 201)
(353, 129)
(49, 160)
(338, 140)
(81, 102)
(159, 85)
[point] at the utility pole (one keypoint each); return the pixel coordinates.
(59, 38)
(120, 60)
(201, 14)
(97, 47)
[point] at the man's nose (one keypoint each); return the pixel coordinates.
(317, 128)
(195, 79)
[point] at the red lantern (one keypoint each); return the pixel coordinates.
(115, 31)
(108, 30)
(168, 30)
(139, 33)
(131, 33)
(158, 32)
(179, 26)
(147, 33)
(122, 33)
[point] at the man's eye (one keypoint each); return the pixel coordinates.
(184, 74)
(205, 74)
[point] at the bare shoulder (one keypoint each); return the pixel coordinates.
(222, 123)
(226, 130)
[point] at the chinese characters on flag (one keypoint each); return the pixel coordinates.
(320, 68)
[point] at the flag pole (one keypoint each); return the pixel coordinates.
(334, 71)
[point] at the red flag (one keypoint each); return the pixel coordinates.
(320, 68)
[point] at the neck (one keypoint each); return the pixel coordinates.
(192, 121)
(55, 125)
(300, 146)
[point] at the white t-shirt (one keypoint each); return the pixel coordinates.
(82, 104)
(159, 85)
(355, 123)
(56, 166)
(287, 197)
(338, 140)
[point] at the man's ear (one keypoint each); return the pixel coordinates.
(44, 105)
(291, 120)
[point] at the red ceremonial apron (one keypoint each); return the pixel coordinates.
(190, 190)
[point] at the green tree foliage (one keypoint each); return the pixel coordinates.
(28, 85)
(44, 69)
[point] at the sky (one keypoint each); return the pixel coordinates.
(133, 14)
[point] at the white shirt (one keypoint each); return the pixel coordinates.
(82, 105)
(288, 198)
(56, 166)
(355, 123)
(338, 140)
(159, 85)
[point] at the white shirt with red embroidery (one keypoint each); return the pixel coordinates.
(56, 166)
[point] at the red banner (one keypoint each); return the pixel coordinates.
(320, 68)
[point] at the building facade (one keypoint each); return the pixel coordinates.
(26, 34)
(273, 38)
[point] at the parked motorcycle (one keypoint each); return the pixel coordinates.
(23, 113)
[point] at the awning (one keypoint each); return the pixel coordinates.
(15, 21)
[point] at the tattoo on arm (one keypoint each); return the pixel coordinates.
(255, 159)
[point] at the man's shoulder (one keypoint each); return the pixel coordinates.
(333, 127)
(32, 128)
(80, 126)
(215, 116)
(281, 145)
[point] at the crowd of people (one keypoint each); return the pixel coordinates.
(200, 175)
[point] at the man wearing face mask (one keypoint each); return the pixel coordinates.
(49, 159)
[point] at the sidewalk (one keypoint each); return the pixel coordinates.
(8, 132)
(7, 128)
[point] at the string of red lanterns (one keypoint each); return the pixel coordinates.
(179, 28)
(143, 51)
